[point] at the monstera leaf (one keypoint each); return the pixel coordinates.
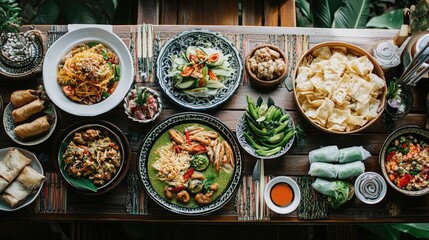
(323, 12)
(391, 20)
(352, 14)
(340, 13)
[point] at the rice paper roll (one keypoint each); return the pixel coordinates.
(321, 169)
(324, 154)
(23, 113)
(337, 192)
(36, 127)
(21, 97)
(352, 154)
(348, 170)
(12, 164)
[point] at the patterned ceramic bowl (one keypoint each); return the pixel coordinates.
(149, 111)
(198, 38)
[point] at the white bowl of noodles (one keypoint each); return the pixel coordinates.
(104, 97)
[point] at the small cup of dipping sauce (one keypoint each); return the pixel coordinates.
(282, 195)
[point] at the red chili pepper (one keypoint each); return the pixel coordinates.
(404, 180)
(188, 139)
(390, 155)
(199, 148)
(201, 82)
(188, 174)
(177, 189)
(193, 58)
(404, 145)
(176, 148)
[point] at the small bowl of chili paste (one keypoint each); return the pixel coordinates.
(282, 195)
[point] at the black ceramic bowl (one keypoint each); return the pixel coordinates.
(82, 184)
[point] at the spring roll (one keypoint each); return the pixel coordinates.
(21, 97)
(348, 170)
(36, 127)
(324, 154)
(11, 166)
(26, 182)
(23, 113)
(352, 154)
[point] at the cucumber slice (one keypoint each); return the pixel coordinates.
(185, 84)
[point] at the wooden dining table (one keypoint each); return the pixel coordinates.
(130, 202)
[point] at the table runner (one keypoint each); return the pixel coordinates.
(53, 198)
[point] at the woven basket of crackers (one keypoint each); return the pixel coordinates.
(339, 87)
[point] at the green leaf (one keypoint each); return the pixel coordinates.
(304, 6)
(323, 12)
(77, 12)
(48, 13)
(352, 14)
(391, 20)
(84, 183)
(104, 55)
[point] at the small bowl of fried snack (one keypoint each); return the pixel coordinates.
(266, 66)
(339, 87)
(30, 118)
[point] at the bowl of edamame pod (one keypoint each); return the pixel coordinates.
(265, 130)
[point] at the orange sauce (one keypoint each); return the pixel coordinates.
(281, 194)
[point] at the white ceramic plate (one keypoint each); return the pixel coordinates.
(9, 127)
(4, 206)
(296, 195)
(67, 42)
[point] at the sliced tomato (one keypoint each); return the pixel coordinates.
(212, 75)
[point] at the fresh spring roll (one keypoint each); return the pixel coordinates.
(348, 170)
(352, 154)
(21, 97)
(11, 166)
(23, 113)
(324, 154)
(338, 192)
(321, 169)
(36, 127)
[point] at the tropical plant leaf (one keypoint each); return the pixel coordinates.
(77, 12)
(352, 14)
(84, 183)
(304, 6)
(323, 12)
(48, 13)
(391, 20)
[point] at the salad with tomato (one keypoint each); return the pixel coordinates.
(407, 162)
(200, 71)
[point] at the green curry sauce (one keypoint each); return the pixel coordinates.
(222, 178)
